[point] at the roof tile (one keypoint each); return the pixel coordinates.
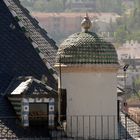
(86, 48)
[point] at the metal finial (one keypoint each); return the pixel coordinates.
(86, 23)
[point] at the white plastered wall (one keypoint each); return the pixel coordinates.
(91, 94)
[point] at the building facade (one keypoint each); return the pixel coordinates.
(88, 73)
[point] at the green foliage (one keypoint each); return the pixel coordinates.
(121, 34)
(137, 81)
(128, 27)
(55, 6)
(109, 6)
(28, 3)
(39, 6)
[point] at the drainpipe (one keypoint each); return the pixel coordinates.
(59, 91)
(125, 96)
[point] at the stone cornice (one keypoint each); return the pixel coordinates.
(87, 68)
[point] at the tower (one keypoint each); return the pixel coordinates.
(88, 73)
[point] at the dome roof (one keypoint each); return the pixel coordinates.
(86, 48)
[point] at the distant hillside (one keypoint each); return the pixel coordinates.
(126, 27)
(74, 5)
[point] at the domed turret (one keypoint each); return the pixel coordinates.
(88, 65)
(86, 48)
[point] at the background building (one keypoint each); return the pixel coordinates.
(129, 50)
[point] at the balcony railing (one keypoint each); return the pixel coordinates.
(73, 128)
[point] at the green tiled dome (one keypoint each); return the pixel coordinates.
(86, 48)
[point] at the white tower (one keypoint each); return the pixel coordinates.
(88, 71)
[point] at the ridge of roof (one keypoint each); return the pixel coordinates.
(44, 46)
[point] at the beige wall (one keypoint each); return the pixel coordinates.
(91, 94)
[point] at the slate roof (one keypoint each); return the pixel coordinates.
(25, 50)
(86, 48)
(18, 54)
(44, 46)
(10, 129)
(33, 31)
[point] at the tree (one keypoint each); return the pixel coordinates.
(121, 34)
(39, 6)
(55, 6)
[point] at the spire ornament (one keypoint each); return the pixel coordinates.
(86, 23)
